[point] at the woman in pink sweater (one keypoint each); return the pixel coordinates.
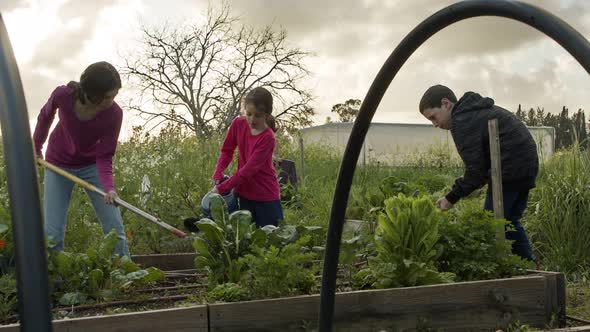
(255, 181)
(83, 143)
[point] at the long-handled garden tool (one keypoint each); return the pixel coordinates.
(119, 201)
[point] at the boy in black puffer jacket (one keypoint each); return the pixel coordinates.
(467, 119)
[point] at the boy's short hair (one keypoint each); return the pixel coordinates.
(433, 96)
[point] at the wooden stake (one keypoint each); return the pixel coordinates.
(495, 158)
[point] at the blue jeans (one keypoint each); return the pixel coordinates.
(263, 213)
(515, 203)
(56, 200)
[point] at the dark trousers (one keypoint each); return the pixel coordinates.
(263, 213)
(515, 203)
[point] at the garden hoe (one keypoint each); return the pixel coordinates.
(119, 201)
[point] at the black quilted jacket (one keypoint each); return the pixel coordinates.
(469, 128)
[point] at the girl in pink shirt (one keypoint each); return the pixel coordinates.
(83, 143)
(255, 181)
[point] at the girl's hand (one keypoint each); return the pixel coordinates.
(109, 198)
(214, 190)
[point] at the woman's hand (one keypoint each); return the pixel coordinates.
(39, 155)
(109, 198)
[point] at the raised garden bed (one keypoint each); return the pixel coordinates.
(537, 299)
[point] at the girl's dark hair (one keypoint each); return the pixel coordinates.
(96, 81)
(262, 101)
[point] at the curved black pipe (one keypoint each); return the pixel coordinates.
(29, 241)
(537, 18)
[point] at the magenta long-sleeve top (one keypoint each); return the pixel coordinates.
(256, 177)
(76, 143)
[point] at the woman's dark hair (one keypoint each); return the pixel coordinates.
(96, 81)
(262, 101)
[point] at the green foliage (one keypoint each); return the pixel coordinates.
(6, 245)
(228, 292)
(569, 131)
(277, 272)
(222, 241)
(470, 249)
(8, 295)
(434, 182)
(291, 197)
(559, 210)
(348, 110)
(391, 186)
(405, 244)
(83, 229)
(168, 161)
(95, 274)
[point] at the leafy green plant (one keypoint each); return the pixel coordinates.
(286, 234)
(7, 263)
(95, 274)
(8, 295)
(470, 248)
(405, 244)
(291, 197)
(391, 186)
(228, 292)
(559, 210)
(275, 272)
(223, 240)
(226, 238)
(434, 182)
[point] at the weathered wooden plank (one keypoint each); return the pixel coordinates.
(166, 261)
(453, 307)
(556, 302)
(192, 318)
(496, 172)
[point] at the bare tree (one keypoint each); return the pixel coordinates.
(196, 75)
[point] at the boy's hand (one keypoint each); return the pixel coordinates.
(444, 204)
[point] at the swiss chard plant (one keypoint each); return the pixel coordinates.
(96, 274)
(223, 240)
(406, 245)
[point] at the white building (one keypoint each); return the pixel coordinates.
(397, 144)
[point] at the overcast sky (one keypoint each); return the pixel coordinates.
(54, 40)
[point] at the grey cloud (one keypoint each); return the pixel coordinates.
(67, 43)
(543, 86)
(386, 25)
(354, 31)
(37, 89)
(8, 5)
(76, 8)
(55, 51)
